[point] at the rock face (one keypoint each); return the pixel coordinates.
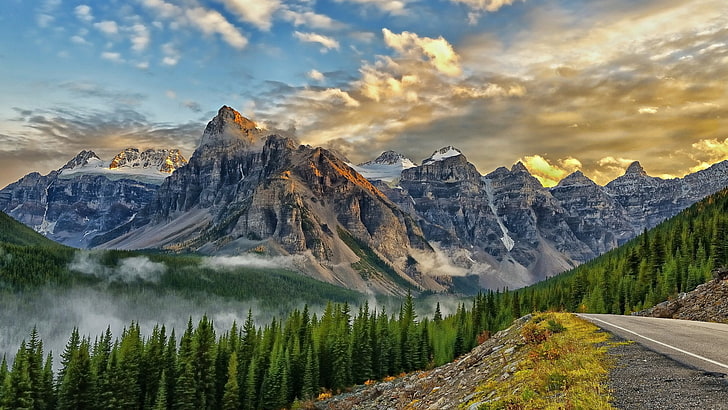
(436, 225)
(86, 197)
(245, 189)
(707, 302)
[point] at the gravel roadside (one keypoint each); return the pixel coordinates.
(643, 379)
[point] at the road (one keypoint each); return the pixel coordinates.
(701, 345)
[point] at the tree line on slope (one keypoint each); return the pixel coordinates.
(247, 367)
(674, 257)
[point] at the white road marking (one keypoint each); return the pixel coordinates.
(662, 344)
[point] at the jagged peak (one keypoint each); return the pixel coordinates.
(81, 159)
(230, 125)
(442, 154)
(162, 160)
(519, 167)
(635, 168)
(575, 178)
(390, 158)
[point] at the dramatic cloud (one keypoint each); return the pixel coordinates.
(549, 174)
(438, 51)
(709, 151)
(328, 43)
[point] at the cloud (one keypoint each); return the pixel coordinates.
(311, 19)
(127, 270)
(315, 75)
(647, 110)
(205, 20)
(212, 22)
(438, 51)
(112, 56)
(107, 27)
(171, 54)
(53, 136)
(83, 13)
(192, 106)
(328, 43)
(252, 261)
(333, 96)
(706, 152)
(394, 7)
(487, 5)
(140, 37)
(549, 174)
(79, 40)
(258, 12)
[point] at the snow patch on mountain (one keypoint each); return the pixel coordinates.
(149, 166)
(508, 242)
(442, 154)
(387, 167)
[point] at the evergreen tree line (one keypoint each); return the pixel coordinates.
(247, 367)
(674, 257)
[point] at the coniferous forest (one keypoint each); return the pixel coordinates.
(306, 354)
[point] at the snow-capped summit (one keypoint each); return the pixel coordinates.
(387, 167)
(441, 154)
(150, 166)
(162, 160)
(83, 159)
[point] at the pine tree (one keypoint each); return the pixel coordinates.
(231, 396)
(19, 391)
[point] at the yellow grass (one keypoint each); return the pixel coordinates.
(564, 367)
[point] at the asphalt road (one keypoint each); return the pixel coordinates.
(701, 345)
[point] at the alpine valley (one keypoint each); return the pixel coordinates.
(385, 226)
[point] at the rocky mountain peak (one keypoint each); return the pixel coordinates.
(574, 179)
(81, 159)
(635, 168)
(442, 154)
(229, 125)
(519, 167)
(162, 160)
(390, 158)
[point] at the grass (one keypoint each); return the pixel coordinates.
(564, 367)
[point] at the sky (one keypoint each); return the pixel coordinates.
(561, 85)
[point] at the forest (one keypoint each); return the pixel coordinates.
(286, 362)
(290, 361)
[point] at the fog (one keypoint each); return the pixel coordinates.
(128, 270)
(56, 312)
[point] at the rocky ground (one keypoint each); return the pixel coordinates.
(708, 302)
(445, 387)
(642, 379)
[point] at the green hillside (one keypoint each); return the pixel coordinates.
(12, 231)
(674, 257)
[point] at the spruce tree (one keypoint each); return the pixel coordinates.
(231, 395)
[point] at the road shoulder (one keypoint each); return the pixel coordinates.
(644, 379)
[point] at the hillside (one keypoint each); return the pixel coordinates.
(672, 258)
(544, 361)
(13, 232)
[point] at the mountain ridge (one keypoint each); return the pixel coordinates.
(246, 188)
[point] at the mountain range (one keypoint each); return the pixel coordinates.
(382, 226)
